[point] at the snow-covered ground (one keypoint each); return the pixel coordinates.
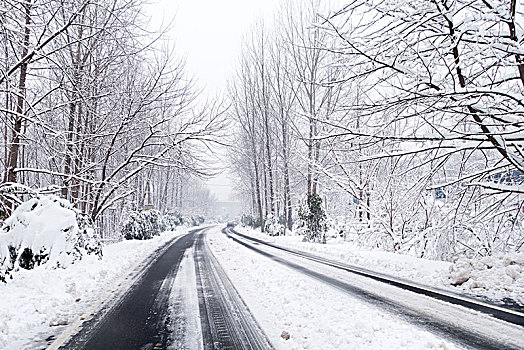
(316, 315)
(45, 302)
(496, 277)
(38, 303)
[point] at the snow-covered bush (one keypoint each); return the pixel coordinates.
(141, 224)
(172, 220)
(11, 193)
(155, 220)
(337, 227)
(272, 226)
(313, 218)
(148, 223)
(45, 230)
(250, 221)
(193, 220)
(200, 220)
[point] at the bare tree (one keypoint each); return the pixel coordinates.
(445, 95)
(102, 107)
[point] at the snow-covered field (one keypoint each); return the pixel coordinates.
(38, 303)
(496, 277)
(316, 315)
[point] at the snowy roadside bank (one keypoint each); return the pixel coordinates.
(495, 278)
(39, 303)
(316, 315)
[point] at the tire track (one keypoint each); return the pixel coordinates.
(226, 320)
(513, 315)
(140, 319)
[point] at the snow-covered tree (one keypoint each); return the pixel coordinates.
(313, 216)
(97, 104)
(443, 100)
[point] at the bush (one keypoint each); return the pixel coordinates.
(337, 227)
(172, 220)
(155, 221)
(313, 219)
(193, 220)
(149, 223)
(250, 221)
(142, 224)
(45, 230)
(272, 226)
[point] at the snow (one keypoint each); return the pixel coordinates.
(37, 301)
(403, 266)
(495, 278)
(45, 302)
(48, 228)
(316, 315)
(498, 276)
(184, 309)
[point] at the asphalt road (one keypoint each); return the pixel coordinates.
(138, 321)
(141, 319)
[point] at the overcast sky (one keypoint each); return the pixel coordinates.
(208, 34)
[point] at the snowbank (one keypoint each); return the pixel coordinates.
(45, 230)
(38, 300)
(495, 278)
(403, 266)
(499, 276)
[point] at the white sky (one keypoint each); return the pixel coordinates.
(208, 34)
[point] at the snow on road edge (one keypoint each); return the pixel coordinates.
(40, 302)
(316, 315)
(495, 278)
(184, 311)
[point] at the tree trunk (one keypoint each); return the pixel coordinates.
(257, 186)
(288, 211)
(264, 183)
(513, 36)
(259, 200)
(75, 184)
(310, 158)
(270, 169)
(74, 108)
(7, 108)
(253, 195)
(10, 175)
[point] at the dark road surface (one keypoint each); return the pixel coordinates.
(141, 318)
(138, 321)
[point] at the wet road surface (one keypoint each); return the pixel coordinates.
(141, 319)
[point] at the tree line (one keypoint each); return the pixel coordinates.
(97, 108)
(404, 118)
